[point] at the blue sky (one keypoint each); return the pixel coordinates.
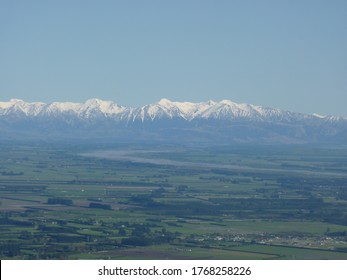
(283, 54)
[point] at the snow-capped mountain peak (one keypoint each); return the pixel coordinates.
(165, 102)
(216, 121)
(164, 108)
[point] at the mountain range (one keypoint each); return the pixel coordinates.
(166, 121)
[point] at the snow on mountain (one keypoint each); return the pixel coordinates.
(19, 107)
(166, 120)
(61, 107)
(164, 109)
(170, 110)
(99, 107)
(91, 108)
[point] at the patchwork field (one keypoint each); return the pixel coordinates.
(84, 201)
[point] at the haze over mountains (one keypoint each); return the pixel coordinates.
(166, 121)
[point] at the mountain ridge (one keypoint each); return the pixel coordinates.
(213, 121)
(186, 110)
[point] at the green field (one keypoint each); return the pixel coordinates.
(122, 201)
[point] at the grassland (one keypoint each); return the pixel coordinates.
(120, 201)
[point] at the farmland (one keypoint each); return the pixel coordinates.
(131, 201)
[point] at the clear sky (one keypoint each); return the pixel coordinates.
(289, 54)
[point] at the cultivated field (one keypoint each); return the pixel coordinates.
(120, 201)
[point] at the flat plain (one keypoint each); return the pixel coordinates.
(132, 201)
